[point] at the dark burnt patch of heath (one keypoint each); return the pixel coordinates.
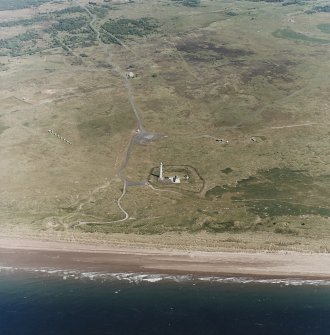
(201, 51)
(278, 69)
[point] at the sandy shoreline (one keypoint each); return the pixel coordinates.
(24, 253)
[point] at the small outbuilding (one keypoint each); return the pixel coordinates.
(175, 179)
(130, 75)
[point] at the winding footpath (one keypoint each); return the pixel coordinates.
(131, 100)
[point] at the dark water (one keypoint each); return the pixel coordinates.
(39, 304)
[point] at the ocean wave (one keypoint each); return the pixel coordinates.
(136, 278)
(277, 281)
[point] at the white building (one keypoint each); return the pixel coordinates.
(174, 179)
(130, 75)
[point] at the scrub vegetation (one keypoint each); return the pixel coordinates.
(122, 29)
(232, 97)
(14, 4)
(188, 3)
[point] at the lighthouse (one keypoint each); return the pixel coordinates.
(161, 177)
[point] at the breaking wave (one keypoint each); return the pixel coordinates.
(136, 278)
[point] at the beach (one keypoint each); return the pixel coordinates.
(34, 254)
(49, 287)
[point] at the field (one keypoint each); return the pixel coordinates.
(234, 95)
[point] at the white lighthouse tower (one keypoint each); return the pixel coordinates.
(161, 176)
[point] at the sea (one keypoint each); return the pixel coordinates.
(48, 301)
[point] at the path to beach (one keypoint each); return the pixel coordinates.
(138, 135)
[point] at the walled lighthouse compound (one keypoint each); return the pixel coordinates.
(161, 178)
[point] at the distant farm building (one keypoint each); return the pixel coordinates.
(130, 75)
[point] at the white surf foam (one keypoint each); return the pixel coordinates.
(136, 278)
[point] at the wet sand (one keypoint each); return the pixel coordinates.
(23, 253)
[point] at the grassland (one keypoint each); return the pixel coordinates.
(292, 35)
(14, 5)
(234, 94)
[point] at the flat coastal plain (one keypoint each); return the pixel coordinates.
(232, 97)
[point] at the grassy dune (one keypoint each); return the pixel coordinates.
(240, 98)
